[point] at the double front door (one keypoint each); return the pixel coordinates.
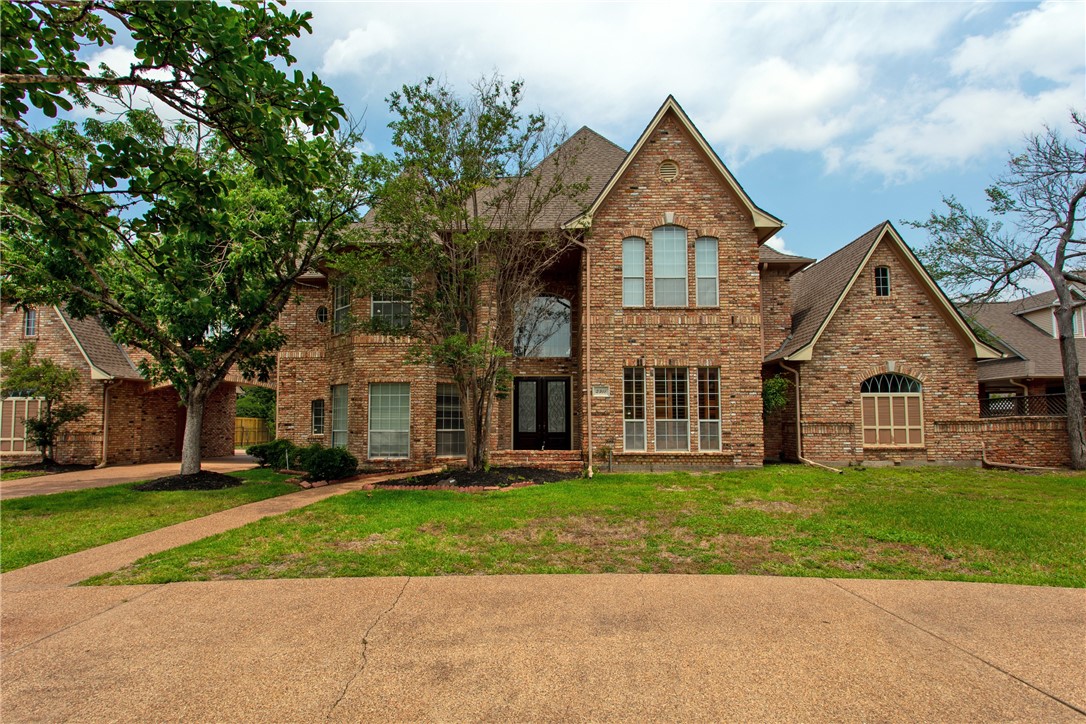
(541, 413)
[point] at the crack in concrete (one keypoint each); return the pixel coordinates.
(82, 621)
(964, 650)
(365, 646)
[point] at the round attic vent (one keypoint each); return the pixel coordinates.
(669, 170)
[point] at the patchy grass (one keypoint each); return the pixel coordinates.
(41, 527)
(927, 523)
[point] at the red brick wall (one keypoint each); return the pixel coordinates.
(728, 337)
(867, 335)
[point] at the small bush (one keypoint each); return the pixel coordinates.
(276, 454)
(330, 463)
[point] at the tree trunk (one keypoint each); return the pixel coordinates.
(1071, 386)
(195, 401)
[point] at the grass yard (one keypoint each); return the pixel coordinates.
(926, 523)
(41, 527)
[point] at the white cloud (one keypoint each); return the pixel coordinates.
(779, 244)
(348, 55)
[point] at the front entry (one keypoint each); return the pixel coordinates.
(541, 413)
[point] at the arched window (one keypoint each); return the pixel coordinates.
(892, 410)
(543, 328)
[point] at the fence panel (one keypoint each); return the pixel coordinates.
(250, 431)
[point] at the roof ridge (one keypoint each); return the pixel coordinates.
(839, 250)
(596, 133)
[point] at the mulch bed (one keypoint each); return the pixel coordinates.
(203, 480)
(493, 479)
(42, 467)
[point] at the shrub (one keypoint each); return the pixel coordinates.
(276, 454)
(329, 463)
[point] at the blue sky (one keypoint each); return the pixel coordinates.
(833, 116)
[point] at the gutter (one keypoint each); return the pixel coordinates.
(799, 423)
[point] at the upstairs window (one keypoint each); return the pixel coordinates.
(391, 308)
(892, 410)
(633, 272)
(341, 307)
(706, 266)
(882, 281)
(30, 322)
(543, 328)
(669, 266)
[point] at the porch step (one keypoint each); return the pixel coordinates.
(564, 460)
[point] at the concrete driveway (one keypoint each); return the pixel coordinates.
(114, 475)
(545, 648)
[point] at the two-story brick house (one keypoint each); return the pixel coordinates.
(675, 312)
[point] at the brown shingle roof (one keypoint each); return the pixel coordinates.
(772, 257)
(99, 348)
(1035, 352)
(817, 288)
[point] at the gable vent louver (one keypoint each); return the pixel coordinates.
(669, 170)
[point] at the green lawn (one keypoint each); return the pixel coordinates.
(41, 527)
(882, 523)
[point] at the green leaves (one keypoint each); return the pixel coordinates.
(25, 376)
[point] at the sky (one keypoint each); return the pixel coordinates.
(833, 116)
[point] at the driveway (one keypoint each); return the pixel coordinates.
(114, 475)
(545, 648)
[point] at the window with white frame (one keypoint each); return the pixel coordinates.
(706, 266)
(390, 420)
(339, 415)
(30, 322)
(1077, 327)
(892, 410)
(391, 308)
(633, 408)
(450, 421)
(316, 412)
(672, 407)
(709, 408)
(669, 266)
(341, 307)
(633, 272)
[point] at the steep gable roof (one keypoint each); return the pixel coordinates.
(765, 224)
(597, 159)
(819, 290)
(1033, 351)
(107, 360)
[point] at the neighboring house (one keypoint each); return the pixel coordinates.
(667, 323)
(129, 420)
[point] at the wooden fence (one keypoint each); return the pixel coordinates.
(250, 431)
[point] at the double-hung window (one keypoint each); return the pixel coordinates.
(633, 272)
(709, 408)
(669, 266)
(391, 308)
(339, 415)
(672, 409)
(30, 322)
(450, 421)
(633, 408)
(390, 420)
(341, 307)
(706, 265)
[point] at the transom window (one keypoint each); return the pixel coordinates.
(706, 265)
(669, 266)
(709, 408)
(339, 415)
(391, 308)
(672, 409)
(633, 408)
(30, 322)
(341, 307)
(892, 410)
(882, 281)
(633, 272)
(543, 328)
(390, 420)
(450, 421)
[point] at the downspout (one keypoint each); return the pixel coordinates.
(799, 424)
(587, 336)
(106, 384)
(1025, 388)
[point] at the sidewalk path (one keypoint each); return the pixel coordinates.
(545, 648)
(71, 569)
(114, 475)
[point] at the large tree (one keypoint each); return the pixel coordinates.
(979, 257)
(470, 211)
(185, 235)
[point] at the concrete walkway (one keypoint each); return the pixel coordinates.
(115, 475)
(545, 648)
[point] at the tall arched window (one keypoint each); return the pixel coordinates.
(892, 410)
(543, 328)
